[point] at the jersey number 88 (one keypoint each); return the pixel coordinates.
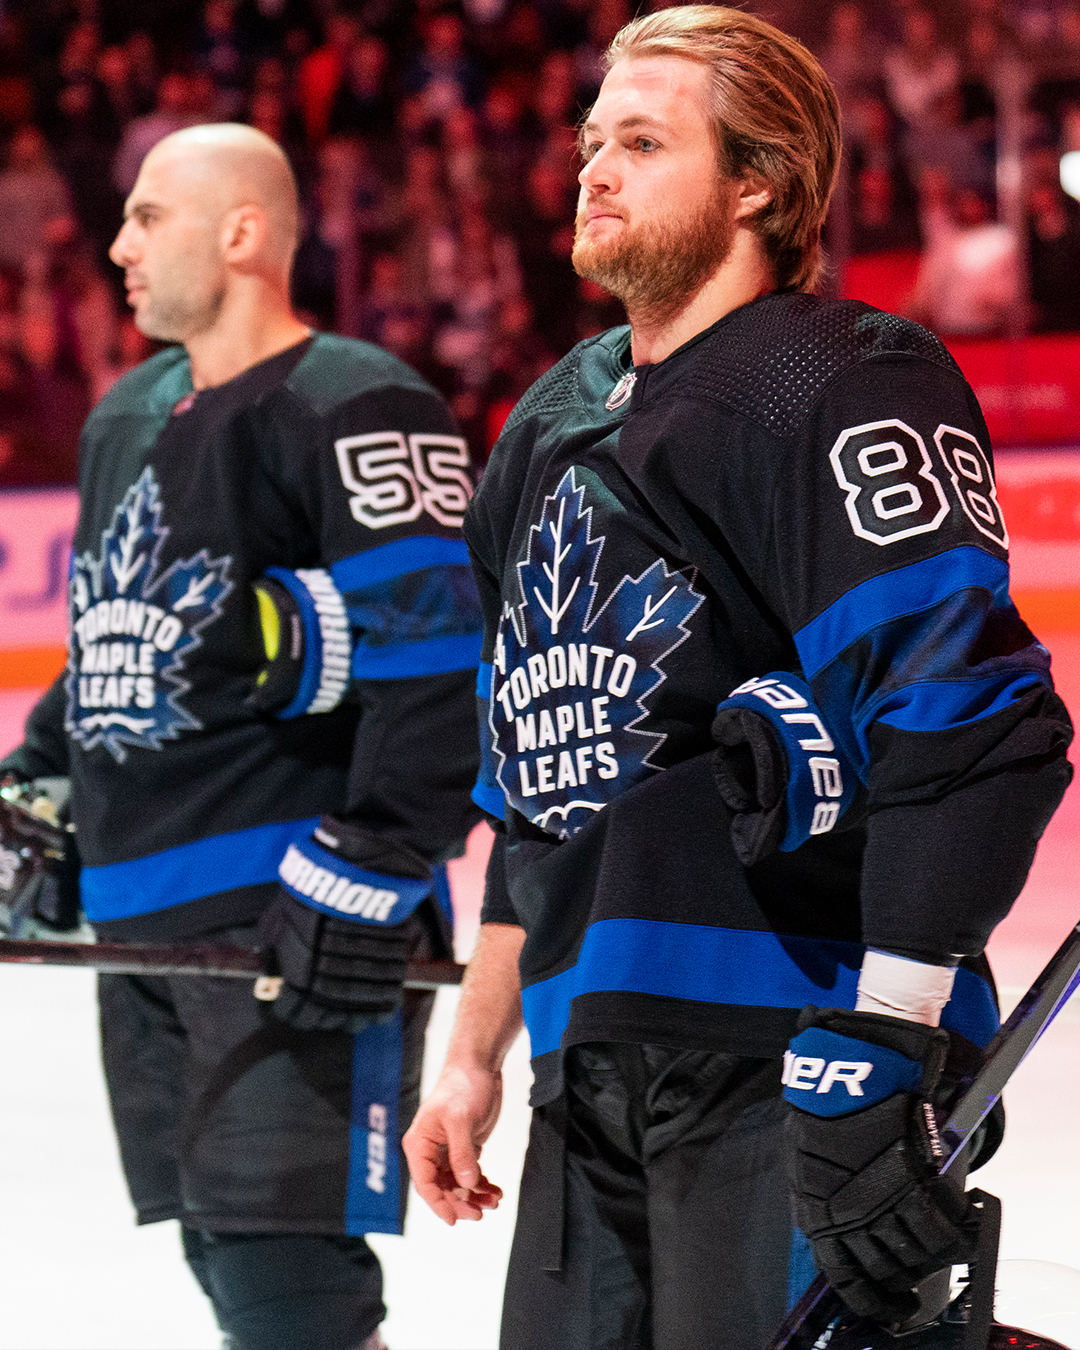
(892, 490)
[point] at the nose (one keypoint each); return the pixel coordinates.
(120, 250)
(599, 176)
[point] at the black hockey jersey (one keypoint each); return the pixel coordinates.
(331, 462)
(804, 487)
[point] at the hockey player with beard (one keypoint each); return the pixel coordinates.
(269, 724)
(771, 746)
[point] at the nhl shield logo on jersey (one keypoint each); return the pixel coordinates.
(571, 679)
(131, 629)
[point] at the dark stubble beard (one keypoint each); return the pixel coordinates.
(656, 267)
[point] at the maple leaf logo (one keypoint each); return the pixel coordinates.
(132, 628)
(572, 678)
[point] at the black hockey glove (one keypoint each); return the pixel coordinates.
(865, 1155)
(338, 933)
(39, 862)
(778, 769)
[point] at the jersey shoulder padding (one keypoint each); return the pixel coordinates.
(160, 380)
(773, 359)
(566, 385)
(336, 369)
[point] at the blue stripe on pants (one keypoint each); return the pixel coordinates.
(373, 1188)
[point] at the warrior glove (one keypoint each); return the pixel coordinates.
(338, 933)
(306, 645)
(865, 1154)
(778, 768)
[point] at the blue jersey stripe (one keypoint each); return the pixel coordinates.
(895, 594)
(373, 1182)
(724, 965)
(395, 559)
(429, 656)
(939, 705)
(174, 876)
(485, 672)
(440, 889)
(489, 799)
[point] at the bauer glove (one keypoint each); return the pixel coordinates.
(778, 769)
(865, 1154)
(338, 933)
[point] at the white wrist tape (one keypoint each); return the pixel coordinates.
(898, 987)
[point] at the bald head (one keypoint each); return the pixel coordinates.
(221, 166)
(211, 224)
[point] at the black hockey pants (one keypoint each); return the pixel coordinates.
(300, 1291)
(654, 1210)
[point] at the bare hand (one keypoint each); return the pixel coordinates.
(444, 1141)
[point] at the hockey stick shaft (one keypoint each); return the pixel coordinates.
(121, 958)
(820, 1305)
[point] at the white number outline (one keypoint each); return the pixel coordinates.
(441, 473)
(428, 473)
(944, 430)
(854, 490)
(384, 466)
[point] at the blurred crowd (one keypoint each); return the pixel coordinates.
(434, 146)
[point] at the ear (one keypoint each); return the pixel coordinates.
(243, 234)
(753, 194)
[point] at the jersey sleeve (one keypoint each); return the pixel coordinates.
(891, 572)
(44, 750)
(384, 486)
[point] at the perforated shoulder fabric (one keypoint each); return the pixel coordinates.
(776, 357)
(555, 390)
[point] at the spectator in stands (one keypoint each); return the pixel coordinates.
(16, 93)
(961, 150)
(544, 234)
(175, 108)
(422, 225)
(969, 274)
(322, 71)
(118, 95)
(363, 104)
(442, 73)
(852, 55)
(920, 70)
(483, 275)
(221, 51)
(389, 318)
(881, 195)
(461, 154)
(1053, 249)
(35, 204)
(143, 64)
(508, 141)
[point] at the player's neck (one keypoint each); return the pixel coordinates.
(741, 277)
(251, 327)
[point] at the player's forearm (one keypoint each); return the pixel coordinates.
(939, 876)
(414, 762)
(489, 1015)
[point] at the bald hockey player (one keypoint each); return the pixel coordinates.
(771, 745)
(269, 726)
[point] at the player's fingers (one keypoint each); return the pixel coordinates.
(462, 1153)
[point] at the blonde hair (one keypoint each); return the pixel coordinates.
(775, 117)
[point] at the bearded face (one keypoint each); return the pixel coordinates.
(656, 261)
